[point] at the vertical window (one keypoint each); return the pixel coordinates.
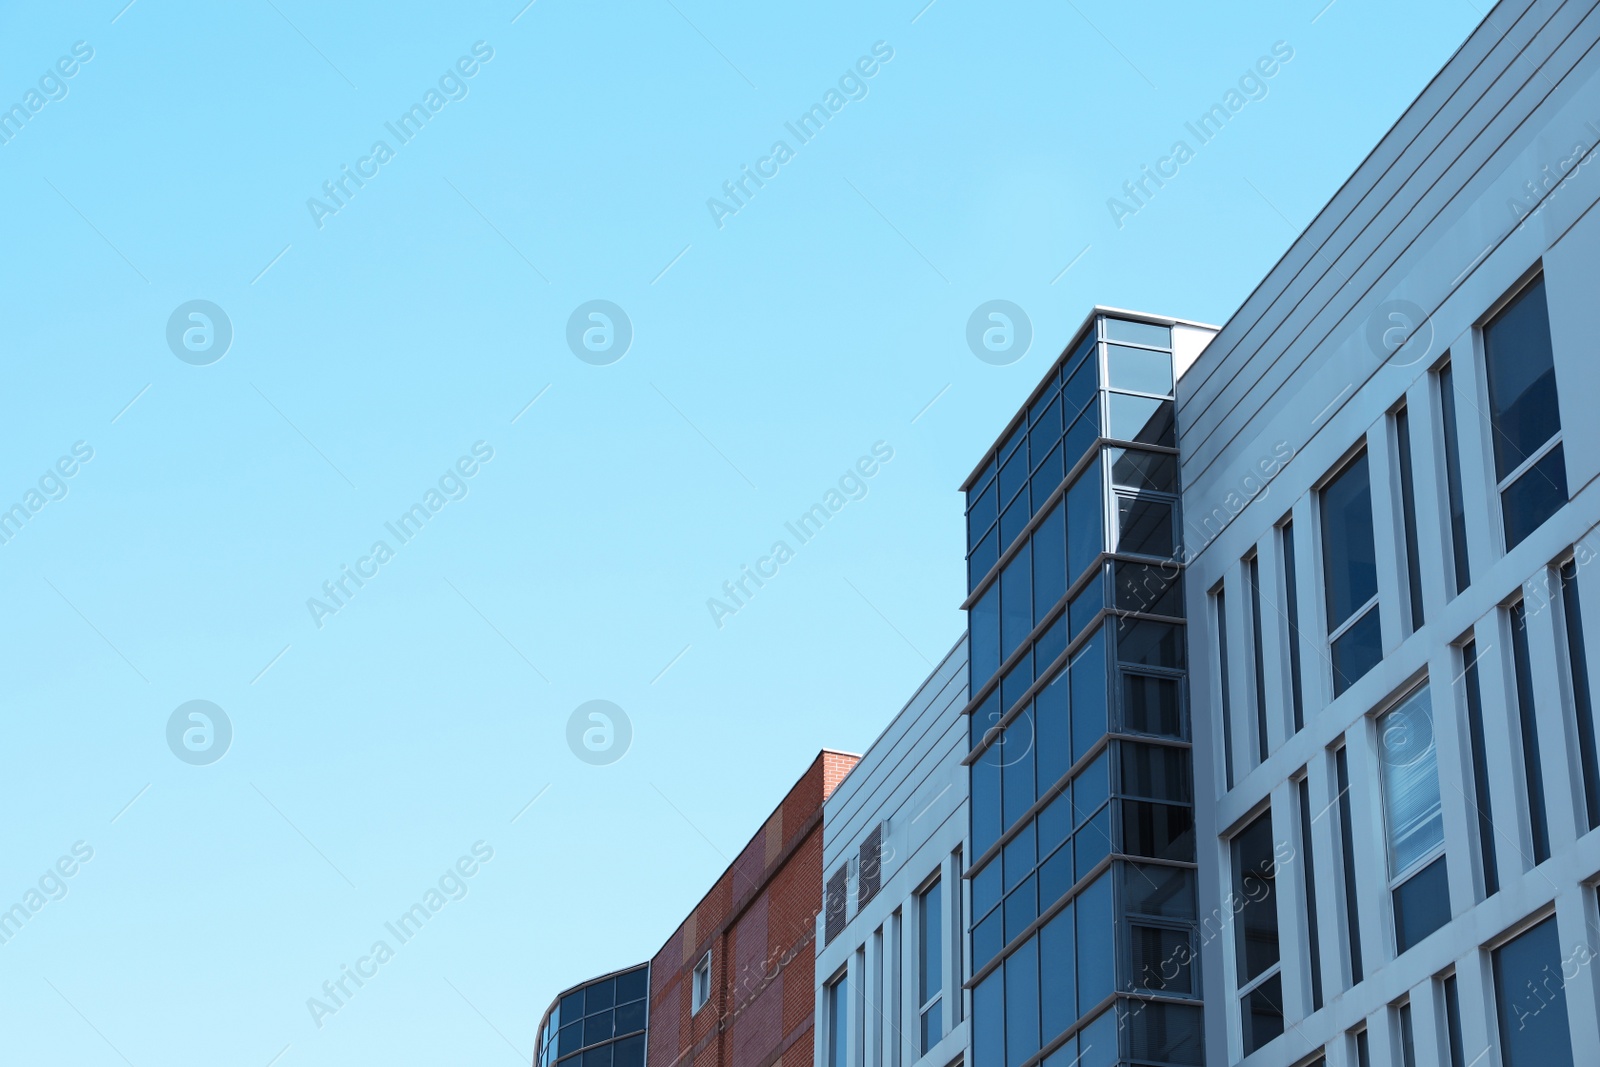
(1532, 768)
(1530, 471)
(1408, 1036)
(1461, 568)
(1255, 871)
(1578, 676)
(838, 1024)
(1292, 612)
(700, 990)
(1408, 516)
(1480, 769)
(1363, 1049)
(1220, 600)
(895, 987)
(1253, 571)
(1309, 868)
(1452, 1022)
(1350, 573)
(1531, 1001)
(1341, 766)
(1413, 819)
(930, 956)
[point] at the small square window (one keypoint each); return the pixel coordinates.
(702, 983)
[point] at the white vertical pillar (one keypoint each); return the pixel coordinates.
(1480, 501)
(1388, 533)
(1274, 641)
(1427, 1010)
(1368, 840)
(1448, 691)
(1289, 893)
(1432, 498)
(1576, 920)
(1475, 989)
(1508, 797)
(1552, 703)
(1315, 668)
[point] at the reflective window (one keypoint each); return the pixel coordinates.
(1408, 516)
(1461, 568)
(1577, 664)
(1096, 938)
(1291, 610)
(1452, 1023)
(1533, 768)
(1531, 999)
(1308, 868)
(1150, 705)
(1350, 574)
(1409, 775)
(1016, 601)
(1142, 420)
(1135, 468)
(1139, 370)
(1524, 416)
(702, 982)
(838, 1023)
(1058, 979)
(1085, 532)
(1049, 546)
(1252, 571)
(1480, 769)
(1145, 526)
(1352, 911)
(930, 960)
(1138, 333)
(1022, 1003)
(1255, 871)
(1219, 601)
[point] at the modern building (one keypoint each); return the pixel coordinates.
(890, 941)
(600, 1023)
(1083, 913)
(1388, 463)
(734, 985)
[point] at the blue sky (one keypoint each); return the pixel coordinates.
(372, 353)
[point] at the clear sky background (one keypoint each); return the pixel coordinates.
(370, 353)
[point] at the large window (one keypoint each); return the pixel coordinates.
(1529, 467)
(1531, 1000)
(838, 1023)
(1413, 819)
(1255, 874)
(1350, 572)
(930, 963)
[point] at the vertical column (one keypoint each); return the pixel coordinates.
(1432, 497)
(1479, 1031)
(1316, 683)
(1383, 1038)
(1373, 907)
(1238, 703)
(1324, 845)
(1577, 919)
(1480, 500)
(1558, 739)
(858, 1009)
(1447, 689)
(872, 1002)
(1427, 1010)
(1274, 641)
(1288, 891)
(1502, 733)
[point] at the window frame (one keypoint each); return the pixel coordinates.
(1416, 867)
(934, 926)
(697, 998)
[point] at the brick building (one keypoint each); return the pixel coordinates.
(733, 985)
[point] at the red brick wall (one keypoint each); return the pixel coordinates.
(759, 922)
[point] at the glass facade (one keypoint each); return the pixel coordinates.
(1083, 879)
(598, 1024)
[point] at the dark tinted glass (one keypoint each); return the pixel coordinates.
(1531, 1000)
(1057, 978)
(572, 1006)
(1088, 695)
(988, 1020)
(1145, 643)
(1145, 526)
(1158, 890)
(600, 995)
(1020, 856)
(1021, 907)
(1082, 385)
(1096, 936)
(986, 888)
(598, 1057)
(1055, 822)
(1052, 714)
(1098, 1041)
(1408, 1038)
(628, 1052)
(1158, 831)
(982, 514)
(1016, 775)
(1085, 606)
(597, 1027)
(1134, 468)
(930, 918)
(1522, 379)
(986, 800)
(1421, 905)
(1050, 644)
(1085, 536)
(1142, 420)
(1014, 471)
(570, 1039)
(1341, 764)
(1263, 1013)
(1150, 705)
(1017, 680)
(1092, 787)
(1349, 557)
(633, 985)
(1162, 957)
(1292, 610)
(1165, 1033)
(1081, 436)
(1055, 877)
(1155, 772)
(1452, 1023)
(630, 1017)
(1139, 370)
(1452, 470)
(1044, 414)
(988, 938)
(1016, 601)
(1047, 476)
(1480, 769)
(1308, 868)
(1357, 651)
(983, 558)
(1255, 872)
(1150, 588)
(1257, 658)
(983, 639)
(1535, 496)
(1408, 510)
(1225, 690)
(1049, 543)
(1014, 518)
(1022, 1003)
(1092, 843)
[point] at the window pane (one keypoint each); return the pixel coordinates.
(1255, 872)
(1149, 644)
(1014, 518)
(1016, 601)
(1085, 606)
(1057, 979)
(1168, 892)
(1096, 936)
(1054, 725)
(988, 1021)
(1408, 760)
(986, 888)
(1522, 379)
(1092, 843)
(1452, 469)
(1088, 696)
(1535, 496)
(1531, 1000)
(930, 915)
(1139, 370)
(1357, 651)
(1142, 420)
(1349, 558)
(1165, 1033)
(1156, 772)
(1262, 1010)
(1016, 771)
(984, 639)
(633, 986)
(1145, 526)
(1049, 545)
(1138, 333)
(986, 826)
(1097, 1042)
(1080, 392)
(1020, 857)
(1134, 468)
(1014, 471)
(1021, 908)
(1258, 658)
(983, 558)
(1408, 509)
(1292, 611)
(1158, 831)
(932, 1026)
(1151, 588)
(1341, 763)
(630, 1017)
(1480, 769)
(1017, 680)
(1220, 604)
(629, 1052)
(1452, 1023)
(1085, 534)
(1421, 905)
(1022, 1003)
(598, 1057)
(1308, 870)
(1583, 709)
(1150, 705)
(988, 938)
(1533, 770)
(1162, 958)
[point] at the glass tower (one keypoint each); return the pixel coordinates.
(600, 1023)
(1083, 916)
